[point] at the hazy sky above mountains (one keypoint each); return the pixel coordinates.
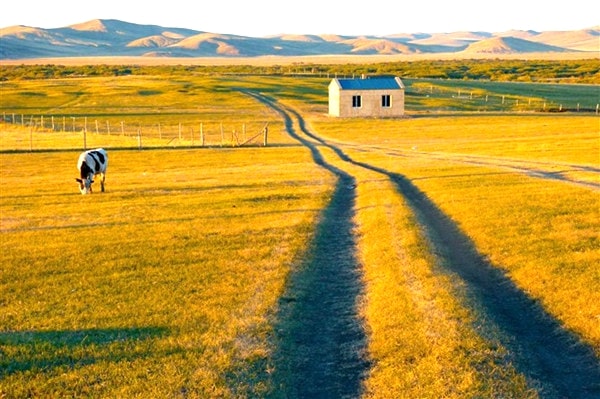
(270, 17)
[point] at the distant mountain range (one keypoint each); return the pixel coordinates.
(109, 37)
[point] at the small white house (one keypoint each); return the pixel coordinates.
(366, 97)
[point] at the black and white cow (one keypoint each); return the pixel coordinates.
(90, 164)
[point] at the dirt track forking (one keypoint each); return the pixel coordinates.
(554, 361)
(321, 342)
(537, 169)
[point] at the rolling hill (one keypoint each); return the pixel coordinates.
(109, 37)
(510, 45)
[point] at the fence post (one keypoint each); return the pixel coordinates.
(108, 127)
(222, 134)
(85, 137)
(139, 137)
(122, 129)
(266, 133)
(201, 134)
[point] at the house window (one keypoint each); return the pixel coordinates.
(356, 102)
(386, 101)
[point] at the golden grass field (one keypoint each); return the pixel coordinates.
(439, 255)
(526, 208)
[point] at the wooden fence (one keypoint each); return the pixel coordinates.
(35, 132)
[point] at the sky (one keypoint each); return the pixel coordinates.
(258, 18)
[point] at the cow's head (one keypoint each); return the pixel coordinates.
(85, 185)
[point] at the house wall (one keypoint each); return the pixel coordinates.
(334, 99)
(371, 103)
(340, 102)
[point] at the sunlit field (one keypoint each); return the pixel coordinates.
(475, 235)
(132, 112)
(523, 189)
(165, 284)
(536, 176)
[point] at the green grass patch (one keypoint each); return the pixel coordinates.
(429, 95)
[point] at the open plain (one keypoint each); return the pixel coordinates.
(453, 253)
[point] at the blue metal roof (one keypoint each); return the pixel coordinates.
(369, 84)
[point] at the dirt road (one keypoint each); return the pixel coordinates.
(321, 339)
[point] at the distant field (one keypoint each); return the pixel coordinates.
(116, 111)
(448, 254)
(290, 60)
(196, 110)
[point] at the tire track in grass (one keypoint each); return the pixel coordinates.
(321, 341)
(535, 169)
(553, 360)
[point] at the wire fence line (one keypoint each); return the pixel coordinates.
(22, 131)
(481, 100)
(38, 132)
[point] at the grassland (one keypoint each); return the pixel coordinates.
(165, 284)
(115, 111)
(539, 229)
(538, 183)
(469, 264)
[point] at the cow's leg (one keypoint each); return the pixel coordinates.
(102, 178)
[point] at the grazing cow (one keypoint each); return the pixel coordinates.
(90, 164)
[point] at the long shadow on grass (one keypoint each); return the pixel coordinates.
(39, 351)
(554, 361)
(320, 337)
